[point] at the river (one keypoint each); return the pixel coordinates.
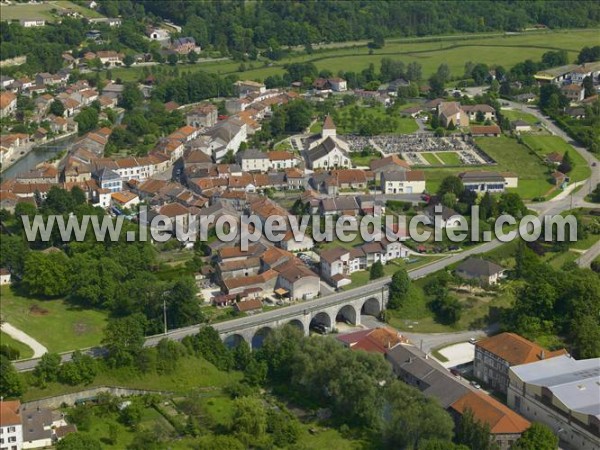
(36, 156)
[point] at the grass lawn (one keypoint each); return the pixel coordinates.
(191, 373)
(449, 158)
(548, 144)
(43, 11)
(431, 159)
(478, 310)
(513, 114)
(54, 323)
(407, 125)
(359, 160)
(557, 260)
(24, 350)
(514, 157)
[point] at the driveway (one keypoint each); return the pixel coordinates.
(18, 335)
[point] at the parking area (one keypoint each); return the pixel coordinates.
(457, 354)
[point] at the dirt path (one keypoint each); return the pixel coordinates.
(15, 333)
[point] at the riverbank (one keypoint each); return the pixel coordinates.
(37, 154)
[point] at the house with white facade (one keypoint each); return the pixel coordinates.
(253, 160)
(403, 182)
(11, 425)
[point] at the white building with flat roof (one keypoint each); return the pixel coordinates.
(564, 394)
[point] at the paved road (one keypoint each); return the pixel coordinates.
(15, 333)
(591, 254)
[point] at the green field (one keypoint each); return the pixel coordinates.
(54, 323)
(43, 11)
(25, 350)
(449, 158)
(512, 114)
(429, 52)
(548, 144)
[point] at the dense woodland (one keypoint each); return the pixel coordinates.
(242, 25)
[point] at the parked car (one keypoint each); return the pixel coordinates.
(475, 384)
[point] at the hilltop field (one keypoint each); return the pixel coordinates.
(491, 49)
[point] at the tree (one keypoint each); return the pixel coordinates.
(128, 60)
(192, 57)
(451, 184)
(413, 419)
(87, 120)
(376, 270)
(57, 108)
(512, 204)
(131, 96)
(399, 289)
(249, 419)
(172, 59)
(124, 339)
(436, 86)
(47, 274)
(472, 433)
(131, 415)
(78, 441)
(566, 164)
(443, 73)
(414, 71)
(588, 85)
(480, 73)
(47, 368)
(10, 383)
(242, 355)
(537, 437)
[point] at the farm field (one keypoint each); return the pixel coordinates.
(43, 10)
(548, 144)
(506, 50)
(54, 323)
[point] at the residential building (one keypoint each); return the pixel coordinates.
(6, 81)
(447, 217)
(8, 104)
(124, 199)
(11, 425)
(30, 23)
(473, 111)
(574, 92)
(520, 126)
(417, 369)
(108, 179)
(253, 160)
(506, 426)
(403, 182)
(279, 159)
(184, 45)
(562, 393)
(5, 275)
(495, 355)
(485, 272)
(300, 282)
(330, 84)
(202, 116)
(378, 340)
(243, 88)
(390, 163)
